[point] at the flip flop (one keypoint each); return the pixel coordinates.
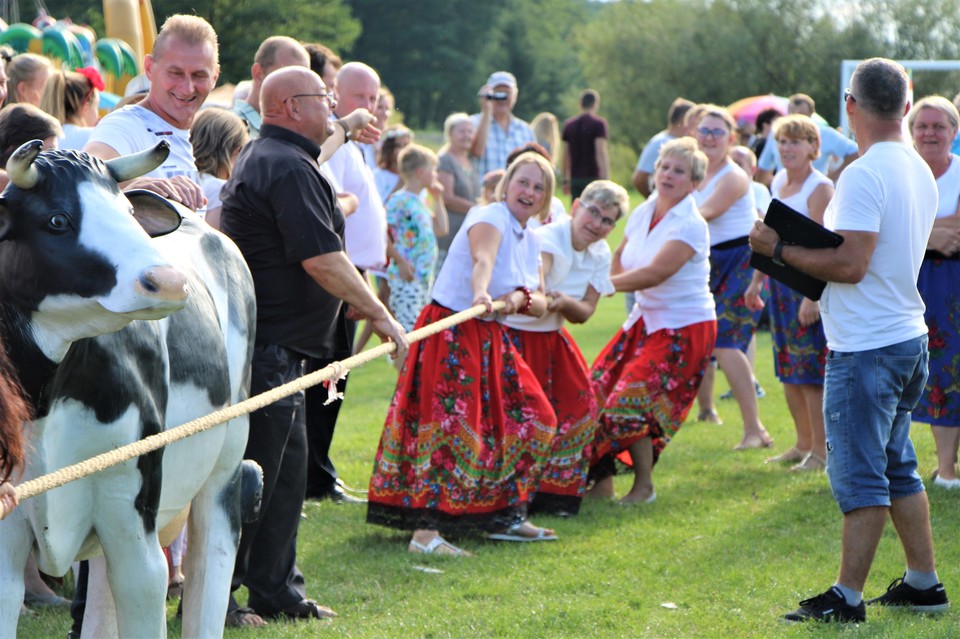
(513, 533)
(437, 542)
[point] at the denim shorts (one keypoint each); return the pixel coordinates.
(867, 404)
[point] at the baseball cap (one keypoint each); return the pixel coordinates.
(502, 77)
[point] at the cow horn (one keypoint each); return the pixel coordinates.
(136, 164)
(20, 166)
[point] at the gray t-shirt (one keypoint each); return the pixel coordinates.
(466, 184)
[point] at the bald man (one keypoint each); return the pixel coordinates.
(283, 215)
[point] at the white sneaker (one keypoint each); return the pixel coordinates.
(949, 484)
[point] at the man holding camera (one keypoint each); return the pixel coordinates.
(498, 131)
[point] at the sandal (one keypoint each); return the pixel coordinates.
(710, 416)
(812, 461)
(790, 455)
(755, 441)
(520, 532)
(244, 618)
(435, 543)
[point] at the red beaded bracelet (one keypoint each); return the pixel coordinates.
(527, 299)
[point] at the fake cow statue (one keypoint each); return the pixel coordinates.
(78, 277)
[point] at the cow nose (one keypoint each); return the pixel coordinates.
(164, 282)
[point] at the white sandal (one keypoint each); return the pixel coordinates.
(437, 542)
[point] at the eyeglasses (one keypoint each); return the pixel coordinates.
(847, 95)
(712, 133)
(598, 215)
(329, 95)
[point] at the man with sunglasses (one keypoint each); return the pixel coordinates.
(283, 215)
(884, 208)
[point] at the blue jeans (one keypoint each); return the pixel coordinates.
(867, 403)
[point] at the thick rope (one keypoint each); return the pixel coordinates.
(334, 371)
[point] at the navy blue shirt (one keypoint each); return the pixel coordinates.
(280, 210)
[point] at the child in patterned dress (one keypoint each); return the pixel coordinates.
(415, 228)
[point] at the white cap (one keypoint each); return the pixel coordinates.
(138, 84)
(502, 77)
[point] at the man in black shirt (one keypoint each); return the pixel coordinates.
(284, 217)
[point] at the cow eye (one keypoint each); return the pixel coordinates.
(59, 222)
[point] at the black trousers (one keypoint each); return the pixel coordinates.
(266, 560)
(321, 422)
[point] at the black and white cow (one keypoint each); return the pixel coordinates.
(78, 275)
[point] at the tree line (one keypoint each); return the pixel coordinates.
(639, 54)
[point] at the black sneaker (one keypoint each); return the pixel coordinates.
(903, 595)
(831, 606)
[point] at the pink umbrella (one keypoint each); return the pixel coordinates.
(746, 110)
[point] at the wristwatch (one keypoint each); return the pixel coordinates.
(778, 253)
(346, 130)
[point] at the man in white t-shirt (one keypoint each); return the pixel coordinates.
(643, 174)
(182, 69)
(884, 208)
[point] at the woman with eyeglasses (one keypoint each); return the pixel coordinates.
(469, 427)
(73, 97)
(576, 268)
(799, 344)
(933, 125)
(726, 202)
(648, 375)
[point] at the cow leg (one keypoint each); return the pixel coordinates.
(214, 535)
(16, 539)
(136, 571)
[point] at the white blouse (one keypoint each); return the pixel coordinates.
(684, 298)
(517, 262)
(572, 272)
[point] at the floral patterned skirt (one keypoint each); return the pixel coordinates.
(562, 372)
(466, 435)
(939, 285)
(645, 385)
(730, 275)
(799, 352)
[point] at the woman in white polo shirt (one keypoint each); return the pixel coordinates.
(576, 268)
(649, 373)
(469, 426)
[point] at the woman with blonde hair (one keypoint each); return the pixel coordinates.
(799, 344)
(460, 180)
(469, 426)
(933, 124)
(217, 136)
(546, 129)
(73, 97)
(27, 75)
(647, 376)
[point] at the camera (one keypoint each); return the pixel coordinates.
(499, 96)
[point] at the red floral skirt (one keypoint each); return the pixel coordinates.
(645, 385)
(466, 436)
(562, 372)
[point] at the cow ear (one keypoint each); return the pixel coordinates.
(5, 221)
(156, 214)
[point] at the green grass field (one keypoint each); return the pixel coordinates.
(730, 544)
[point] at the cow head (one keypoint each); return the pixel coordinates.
(75, 260)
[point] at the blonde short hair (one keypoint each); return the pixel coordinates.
(215, 134)
(607, 194)
(413, 157)
(938, 103)
(716, 111)
(687, 150)
(798, 127)
(530, 157)
(193, 30)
